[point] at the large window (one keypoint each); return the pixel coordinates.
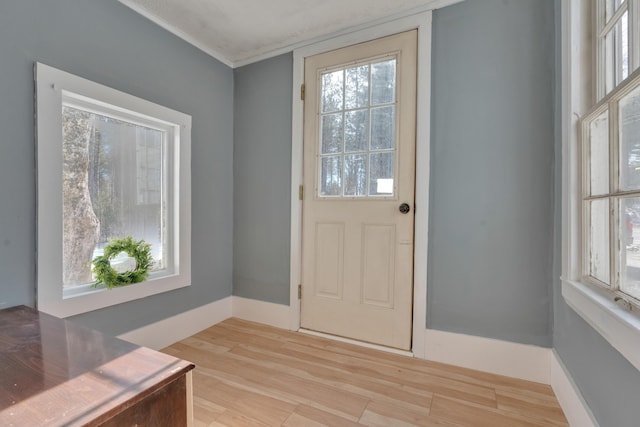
(611, 156)
(601, 168)
(110, 166)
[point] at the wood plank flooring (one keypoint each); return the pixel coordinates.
(248, 374)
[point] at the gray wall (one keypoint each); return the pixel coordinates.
(491, 199)
(608, 382)
(262, 180)
(104, 41)
(491, 190)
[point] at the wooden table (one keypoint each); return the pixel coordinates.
(54, 372)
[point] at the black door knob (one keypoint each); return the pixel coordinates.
(404, 208)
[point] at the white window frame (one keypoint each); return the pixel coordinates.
(53, 87)
(617, 321)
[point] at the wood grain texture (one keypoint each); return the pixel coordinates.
(249, 374)
(55, 372)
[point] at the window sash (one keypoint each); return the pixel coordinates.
(615, 195)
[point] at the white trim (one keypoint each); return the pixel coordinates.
(617, 325)
(573, 405)
(358, 343)
(433, 5)
(165, 332)
(52, 85)
(421, 22)
(526, 362)
(177, 32)
(267, 313)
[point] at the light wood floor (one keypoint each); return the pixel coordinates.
(250, 374)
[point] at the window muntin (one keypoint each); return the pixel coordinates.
(357, 150)
(151, 171)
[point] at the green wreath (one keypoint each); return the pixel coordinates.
(139, 250)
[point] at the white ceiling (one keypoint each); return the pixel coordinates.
(238, 32)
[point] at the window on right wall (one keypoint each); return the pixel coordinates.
(610, 142)
(601, 168)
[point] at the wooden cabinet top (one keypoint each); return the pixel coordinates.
(56, 372)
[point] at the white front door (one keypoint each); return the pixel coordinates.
(359, 178)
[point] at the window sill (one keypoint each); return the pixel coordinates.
(55, 303)
(618, 326)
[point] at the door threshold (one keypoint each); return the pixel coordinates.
(356, 342)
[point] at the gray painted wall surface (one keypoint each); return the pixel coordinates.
(262, 180)
(491, 219)
(106, 42)
(492, 163)
(608, 382)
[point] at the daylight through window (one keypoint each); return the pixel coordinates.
(358, 130)
(611, 155)
(113, 181)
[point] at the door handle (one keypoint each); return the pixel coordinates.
(404, 208)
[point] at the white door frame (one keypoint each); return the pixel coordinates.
(421, 22)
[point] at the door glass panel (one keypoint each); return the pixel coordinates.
(382, 128)
(599, 154)
(381, 179)
(599, 266)
(357, 87)
(629, 227)
(630, 141)
(332, 91)
(331, 183)
(355, 175)
(357, 130)
(332, 133)
(383, 82)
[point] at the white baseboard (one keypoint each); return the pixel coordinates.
(521, 361)
(575, 408)
(175, 328)
(267, 313)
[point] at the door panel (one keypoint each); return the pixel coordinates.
(359, 166)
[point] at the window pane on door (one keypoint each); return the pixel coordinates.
(355, 175)
(630, 141)
(599, 266)
(332, 91)
(383, 121)
(331, 183)
(332, 132)
(358, 130)
(381, 167)
(629, 227)
(356, 89)
(383, 79)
